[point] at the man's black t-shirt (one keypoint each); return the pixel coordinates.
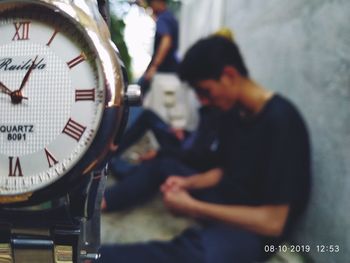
(266, 158)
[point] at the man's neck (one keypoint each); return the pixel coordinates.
(254, 97)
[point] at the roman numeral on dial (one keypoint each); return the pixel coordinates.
(52, 38)
(76, 61)
(15, 168)
(22, 30)
(50, 158)
(74, 129)
(85, 94)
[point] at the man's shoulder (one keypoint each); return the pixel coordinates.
(282, 108)
(284, 114)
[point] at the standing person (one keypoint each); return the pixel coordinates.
(166, 39)
(261, 182)
(172, 101)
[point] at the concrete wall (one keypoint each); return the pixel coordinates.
(199, 19)
(301, 49)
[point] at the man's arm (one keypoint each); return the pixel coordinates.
(163, 49)
(267, 220)
(197, 181)
(204, 180)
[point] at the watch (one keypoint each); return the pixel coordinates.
(63, 101)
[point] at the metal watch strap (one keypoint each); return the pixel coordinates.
(46, 238)
(37, 245)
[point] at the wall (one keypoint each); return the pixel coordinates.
(199, 19)
(301, 49)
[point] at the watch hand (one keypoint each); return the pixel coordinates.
(16, 96)
(26, 77)
(5, 89)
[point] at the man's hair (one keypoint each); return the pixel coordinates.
(207, 58)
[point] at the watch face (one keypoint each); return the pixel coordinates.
(51, 99)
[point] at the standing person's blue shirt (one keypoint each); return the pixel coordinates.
(167, 25)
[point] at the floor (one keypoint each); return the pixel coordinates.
(153, 222)
(149, 222)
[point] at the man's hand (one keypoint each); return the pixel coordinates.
(148, 155)
(113, 147)
(175, 183)
(179, 202)
(195, 181)
(179, 133)
(103, 205)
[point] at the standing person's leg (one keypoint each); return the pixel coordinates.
(143, 182)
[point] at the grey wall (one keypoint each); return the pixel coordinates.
(301, 48)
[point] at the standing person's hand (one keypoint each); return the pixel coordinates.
(151, 71)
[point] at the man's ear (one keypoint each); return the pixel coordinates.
(230, 72)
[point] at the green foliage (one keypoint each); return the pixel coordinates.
(117, 33)
(118, 26)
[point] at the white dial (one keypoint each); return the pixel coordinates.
(51, 101)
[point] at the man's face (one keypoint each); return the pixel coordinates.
(218, 93)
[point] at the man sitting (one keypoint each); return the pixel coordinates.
(260, 183)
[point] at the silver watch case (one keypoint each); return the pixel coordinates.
(85, 16)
